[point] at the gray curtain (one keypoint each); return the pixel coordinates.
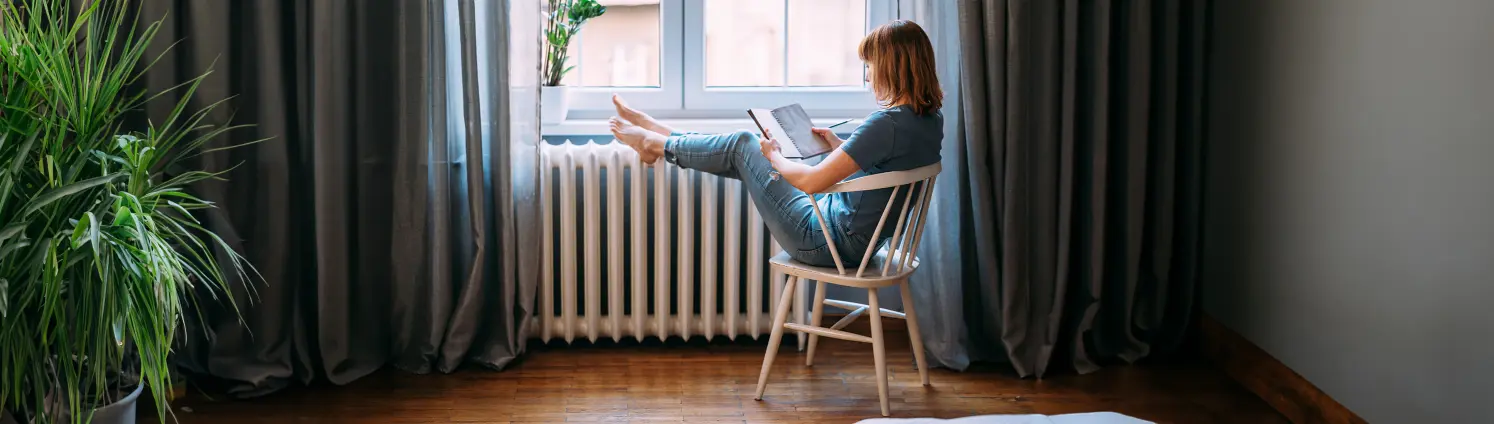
(386, 203)
(937, 292)
(1081, 139)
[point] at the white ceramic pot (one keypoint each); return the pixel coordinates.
(122, 411)
(555, 103)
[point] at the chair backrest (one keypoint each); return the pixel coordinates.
(915, 186)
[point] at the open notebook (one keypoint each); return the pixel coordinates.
(791, 124)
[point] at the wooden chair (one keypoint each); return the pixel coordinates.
(882, 265)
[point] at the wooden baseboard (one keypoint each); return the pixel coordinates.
(1286, 391)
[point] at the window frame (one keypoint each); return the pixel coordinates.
(682, 92)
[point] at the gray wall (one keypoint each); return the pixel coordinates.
(1350, 211)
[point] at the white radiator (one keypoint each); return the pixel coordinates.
(621, 281)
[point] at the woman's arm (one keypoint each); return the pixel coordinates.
(809, 178)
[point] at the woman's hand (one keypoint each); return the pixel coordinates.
(829, 136)
(768, 144)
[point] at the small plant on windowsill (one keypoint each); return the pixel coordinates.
(563, 21)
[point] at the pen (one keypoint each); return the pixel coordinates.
(840, 123)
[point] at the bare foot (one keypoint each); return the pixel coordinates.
(648, 144)
(638, 117)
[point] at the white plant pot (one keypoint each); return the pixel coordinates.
(122, 411)
(555, 103)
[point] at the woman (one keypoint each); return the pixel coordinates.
(905, 134)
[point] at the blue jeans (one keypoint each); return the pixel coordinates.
(788, 212)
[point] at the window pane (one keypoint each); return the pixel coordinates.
(620, 48)
(822, 39)
(744, 43)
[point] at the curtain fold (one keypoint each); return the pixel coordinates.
(1081, 144)
(386, 203)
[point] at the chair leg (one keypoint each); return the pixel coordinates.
(879, 348)
(915, 338)
(819, 312)
(780, 315)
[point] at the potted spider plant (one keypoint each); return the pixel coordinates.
(99, 250)
(563, 20)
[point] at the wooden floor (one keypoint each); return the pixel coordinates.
(714, 383)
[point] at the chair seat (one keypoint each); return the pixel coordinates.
(872, 278)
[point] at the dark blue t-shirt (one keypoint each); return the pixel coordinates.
(892, 139)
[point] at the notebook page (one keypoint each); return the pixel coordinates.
(799, 129)
(767, 123)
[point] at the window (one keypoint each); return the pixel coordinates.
(715, 58)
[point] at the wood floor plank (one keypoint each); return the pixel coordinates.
(696, 382)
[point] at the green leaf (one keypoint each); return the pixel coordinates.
(83, 228)
(13, 246)
(23, 152)
(53, 195)
(110, 158)
(11, 231)
(124, 209)
(178, 207)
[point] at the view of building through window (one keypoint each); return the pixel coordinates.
(783, 43)
(748, 43)
(620, 48)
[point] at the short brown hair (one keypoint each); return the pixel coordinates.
(902, 63)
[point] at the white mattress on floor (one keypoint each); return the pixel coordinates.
(1084, 418)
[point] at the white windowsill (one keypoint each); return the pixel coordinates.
(595, 127)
